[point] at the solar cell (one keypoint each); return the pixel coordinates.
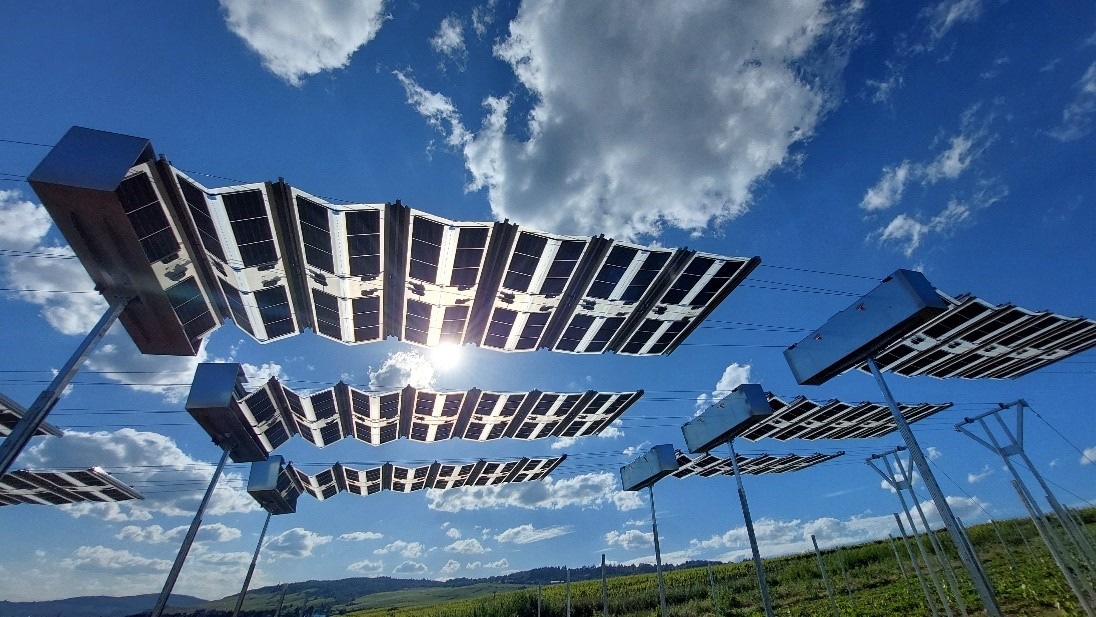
(10, 414)
(974, 339)
(801, 418)
(707, 465)
(62, 487)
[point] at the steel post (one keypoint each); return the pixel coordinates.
(658, 556)
(974, 567)
(758, 565)
(715, 597)
(1055, 550)
(281, 599)
(897, 558)
(251, 568)
(825, 578)
(897, 485)
(567, 571)
(180, 558)
(604, 589)
(28, 425)
(916, 569)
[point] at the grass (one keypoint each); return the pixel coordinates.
(1025, 578)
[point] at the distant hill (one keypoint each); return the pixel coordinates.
(335, 595)
(92, 606)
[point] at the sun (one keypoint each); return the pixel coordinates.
(446, 356)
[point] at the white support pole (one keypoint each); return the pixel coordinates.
(251, 568)
(658, 556)
(766, 601)
(180, 558)
(28, 425)
(825, 578)
(970, 560)
(604, 589)
(916, 568)
(894, 547)
(568, 577)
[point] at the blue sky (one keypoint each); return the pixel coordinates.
(850, 139)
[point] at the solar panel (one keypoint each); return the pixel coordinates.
(707, 465)
(273, 413)
(403, 479)
(801, 418)
(278, 260)
(974, 339)
(62, 487)
(10, 414)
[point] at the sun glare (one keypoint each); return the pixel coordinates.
(446, 356)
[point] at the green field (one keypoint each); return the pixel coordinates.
(1025, 577)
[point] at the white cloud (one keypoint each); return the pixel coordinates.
(946, 15)
(358, 536)
(630, 539)
(298, 38)
(483, 16)
(934, 453)
(449, 40)
(909, 232)
(450, 568)
(975, 478)
(259, 375)
(611, 138)
(25, 222)
(403, 368)
(468, 546)
(149, 462)
(612, 431)
(118, 359)
(294, 543)
(366, 567)
(1077, 117)
(407, 550)
(411, 567)
(527, 534)
(155, 534)
(636, 450)
(453, 532)
(1088, 456)
(92, 560)
(591, 490)
(501, 564)
(733, 376)
(888, 191)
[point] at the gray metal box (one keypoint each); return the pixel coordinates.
(745, 406)
(903, 301)
(658, 463)
(214, 403)
(262, 485)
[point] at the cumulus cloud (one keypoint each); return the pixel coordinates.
(450, 568)
(25, 222)
(527, 534)
(453, 532)
(610, 142)
(147, 461)
(733, 376)
(403, 368)
(1077, 117)
(591, 490)
(468, 546)
(298, 38)
(933, 453)
(975, 478)
(155, 534)
(449, 40)
(366, 567)
(407, 550)
(888, 191)
(1088, 456)
(294, 543)
(501, 564)
(411, 567)
(99, 559)
(636, 450)
(630, 539)
(358, 536)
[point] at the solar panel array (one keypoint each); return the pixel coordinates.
(278, 260)
(274, 413)
(707, 465)
(62, 487)
(974, 339)
(402, 479)
(10, 414)
(802, 418)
